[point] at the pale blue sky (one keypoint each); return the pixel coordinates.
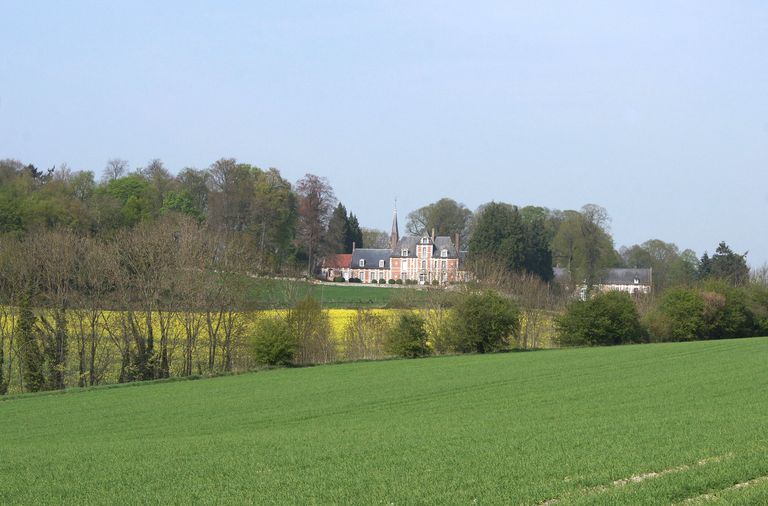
(657, 111)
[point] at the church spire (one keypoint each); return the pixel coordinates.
(395, 236)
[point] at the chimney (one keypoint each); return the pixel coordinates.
(457, 245)
(433, 234)
(353, 246)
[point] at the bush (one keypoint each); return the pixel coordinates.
(410, 282)
(311, 329)
(355, 280)
(391, 281)
(435, 282)
(339, 279)
(484, 321)
(408, 338)
(715, 311)
(605, 319)
(273, 343)
(365, 335)
(382, 281)
(679, 317)
(398, 281)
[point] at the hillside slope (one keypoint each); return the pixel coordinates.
(633, 424)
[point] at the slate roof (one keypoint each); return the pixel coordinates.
(410, 242)
(371, 257)
(611, 276)
(626, 277)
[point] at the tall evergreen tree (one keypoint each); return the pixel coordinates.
(729, 266)
(354, 234)
(29, 349)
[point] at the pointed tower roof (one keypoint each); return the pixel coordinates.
(395, 236)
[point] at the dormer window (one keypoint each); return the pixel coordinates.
(425, 240)
(381, 264)
(404, 252)
(637, 281)
(444, 253)
(362, 262)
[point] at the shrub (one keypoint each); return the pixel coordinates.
(408, 338)
(273, 343)
(605, 319)
(339, 279)
(355, 280)
(435, 282)
(382, 281)
(484, 321)
(679, 317)
(716, 311)
(398, 281)
(410, 282)
(364, 335)
(391, 281)
(311, 329)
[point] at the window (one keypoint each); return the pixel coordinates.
(637, 281)
(362, 262)
(405, 265)
(374, 275)
(425, 240)
(403, 275)
(404, 252)
(444, 253)
(381, 264)
(445, 264)
(423, 264)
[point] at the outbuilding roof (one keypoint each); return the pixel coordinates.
(626, 277)
(371, 258)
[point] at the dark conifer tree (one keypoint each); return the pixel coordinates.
(29, 349)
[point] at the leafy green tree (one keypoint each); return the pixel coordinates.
(538, 254)
(485, 321)
(134, 198)
(408, 337)
(682, 312)
(500, 236)
(714, 310)
(670, 266)
(274, 218)
(181, 202)
(583, 245)
(446, 216)
(274, 343)
(604, 319)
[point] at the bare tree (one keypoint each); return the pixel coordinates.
(115, 169)
(364, 335)
(316, 202)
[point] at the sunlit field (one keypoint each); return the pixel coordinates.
(647, 424)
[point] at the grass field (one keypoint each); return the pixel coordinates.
(650, 424)
(269, 293)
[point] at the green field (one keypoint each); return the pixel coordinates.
(647, 424)
(269, 293)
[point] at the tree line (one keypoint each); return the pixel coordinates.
(286, 226)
